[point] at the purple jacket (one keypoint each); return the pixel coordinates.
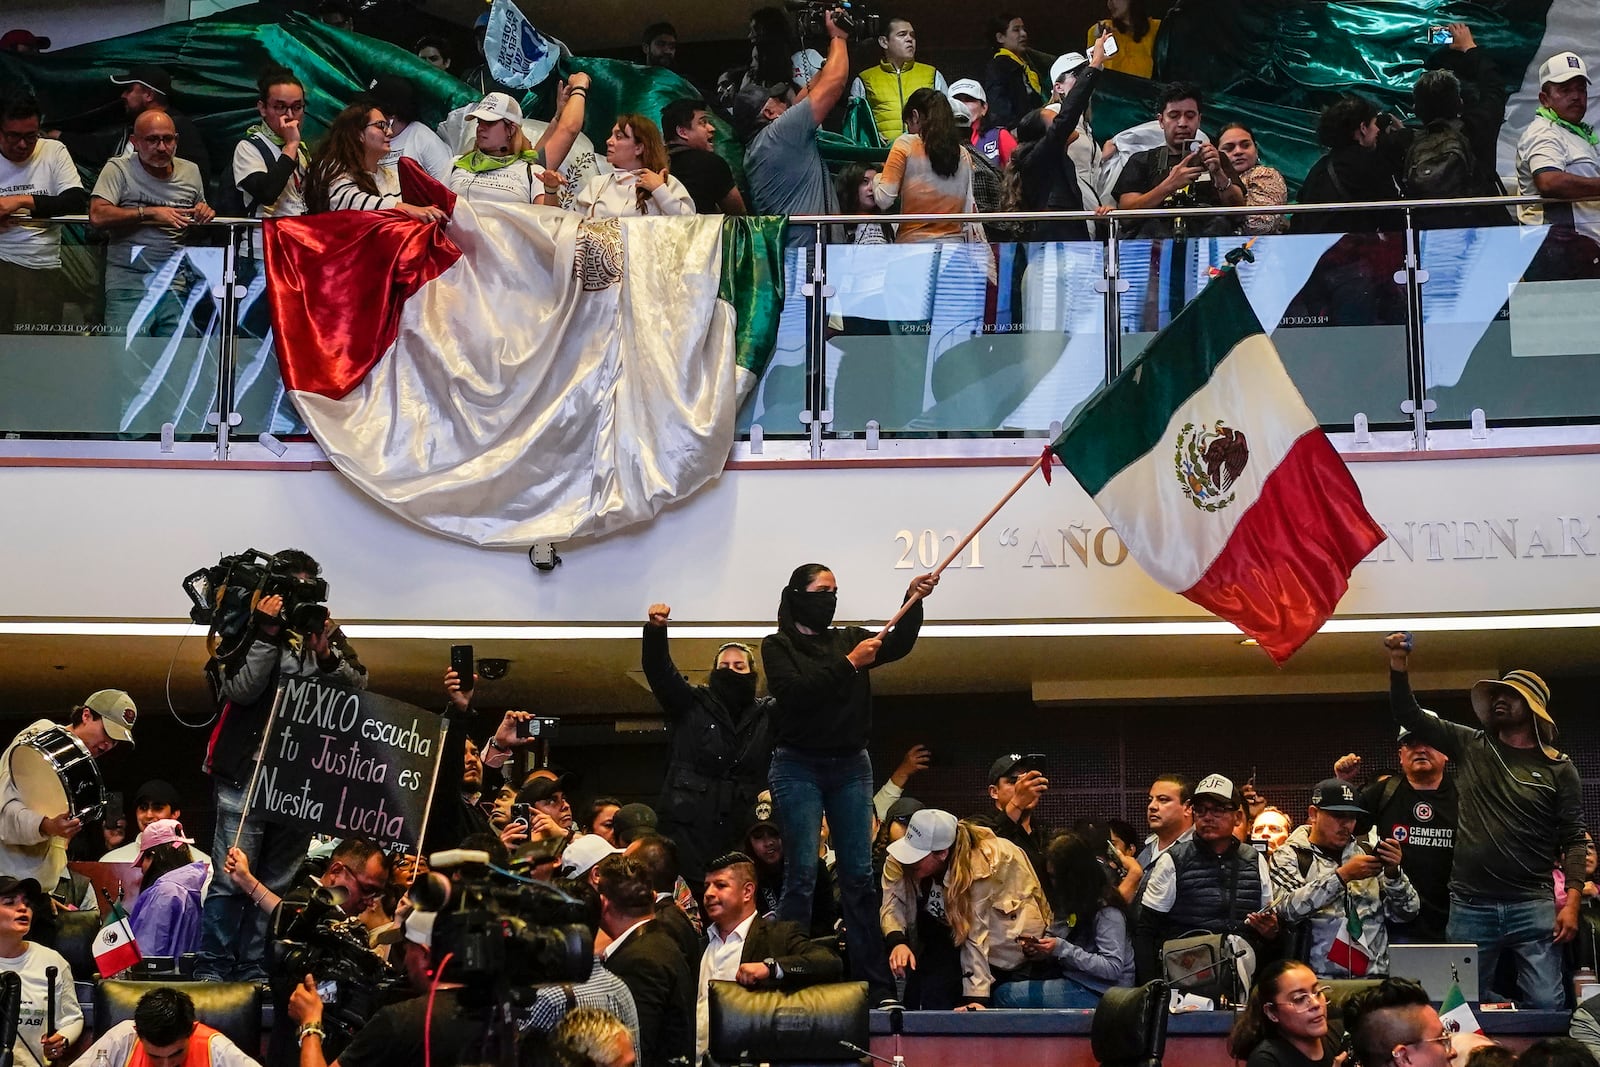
(165, 917)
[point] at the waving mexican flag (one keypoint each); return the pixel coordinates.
(522, 374)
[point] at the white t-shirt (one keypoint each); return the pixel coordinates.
(423, 145)
(31, 967)
(247, 160)
(47, 172)
(516, 183)
(616, 195)
(1546, 145)
(118, 1043)
(345, 195)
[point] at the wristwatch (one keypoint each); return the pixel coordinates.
(772, 967)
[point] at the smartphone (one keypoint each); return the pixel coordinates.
(522, 813)
(1033, 761)
(328, 991)
(1195, 146)
(1111, 45)
(1440, 35)
(461, 661)
(538, 726)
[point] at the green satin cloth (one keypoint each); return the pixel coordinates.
(752, 281)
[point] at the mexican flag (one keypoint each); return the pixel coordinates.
(1347, 951)
(115, 950)
(1456, 1013)
(522, 374)
(1207, 462)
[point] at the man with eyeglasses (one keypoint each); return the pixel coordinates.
(37, 180)
(1342, 895)
(1521, 810)
(147, 202)
(1211, 881)
(1395, 1023)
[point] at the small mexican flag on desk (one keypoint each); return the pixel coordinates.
(115, 950)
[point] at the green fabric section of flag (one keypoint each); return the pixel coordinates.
(1453, 999)
(752, 283)
(1456, 1013)
(1128, 417)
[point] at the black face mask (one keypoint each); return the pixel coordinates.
(733, 690)
(814, 610)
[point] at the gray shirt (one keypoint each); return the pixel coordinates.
(136, 251)
(785, 168)
(1521, 811)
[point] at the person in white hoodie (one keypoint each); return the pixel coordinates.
(639, 184)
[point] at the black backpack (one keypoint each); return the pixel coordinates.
(1439, 163)
(230, 199)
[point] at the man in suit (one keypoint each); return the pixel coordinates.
(745, 948)
(660, 859)
(648, 961)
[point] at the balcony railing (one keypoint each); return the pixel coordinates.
(1405, 337)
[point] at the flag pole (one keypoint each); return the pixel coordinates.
(261, 755)
(967, 540)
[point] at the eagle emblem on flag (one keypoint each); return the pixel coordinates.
(1208, 461)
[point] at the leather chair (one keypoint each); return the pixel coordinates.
(1130, 1026)
(231, 1007)
(803, 1027)
(75, 934)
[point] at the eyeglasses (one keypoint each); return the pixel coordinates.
(1305, 1000)
(278, 107)
(1214, 813)
(31, 137)
(158, 139)
(1445, 1041)
(386, 125)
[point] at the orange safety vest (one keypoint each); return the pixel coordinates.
(196, 1054)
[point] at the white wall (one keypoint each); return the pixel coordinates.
(68, 24)
(113, 543)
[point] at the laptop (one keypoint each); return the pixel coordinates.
(1436, 966)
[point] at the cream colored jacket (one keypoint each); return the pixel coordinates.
(1007, 903)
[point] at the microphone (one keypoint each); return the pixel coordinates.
(898, 1061)
(50, 1000)
(10, 1008)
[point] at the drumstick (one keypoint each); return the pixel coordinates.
(50, 1000)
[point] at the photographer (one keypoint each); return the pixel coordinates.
(232, 939)
(455, 812)
(1183, 171)
(399, 1035)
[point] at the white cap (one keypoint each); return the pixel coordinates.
(1563, 67)
(497, 107)
(1066, 65)
(584, 852)
(930, 830)
(969, 88)
(1215, 785)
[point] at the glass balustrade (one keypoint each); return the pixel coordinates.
(109, 340)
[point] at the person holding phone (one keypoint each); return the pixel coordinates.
(1016, 785)
(1183, 171)
(1087, 945)
(1135, 34)
(1342, 895)
(456, 810)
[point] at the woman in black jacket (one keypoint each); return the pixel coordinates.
(1041, 176)
(1352, 170)
(817, 673)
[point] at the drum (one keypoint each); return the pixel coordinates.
(54, 773)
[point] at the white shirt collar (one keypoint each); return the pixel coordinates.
(740, 932)
(620, 938)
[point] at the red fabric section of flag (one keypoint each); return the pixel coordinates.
(338, 281)
(1289, 560)
(1349, 957)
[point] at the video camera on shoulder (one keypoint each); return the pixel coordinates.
(225, 595)
(851, 18)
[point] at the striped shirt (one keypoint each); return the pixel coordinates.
(345, 195)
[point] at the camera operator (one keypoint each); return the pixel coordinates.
(399, 1035)
(232, 939)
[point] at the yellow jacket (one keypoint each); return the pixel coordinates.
(887, 88)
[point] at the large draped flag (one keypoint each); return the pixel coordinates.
(1204, 458)
(522, 374)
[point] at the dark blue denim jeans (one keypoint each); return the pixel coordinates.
(1522, 929)
(805, 787)
(233, 931)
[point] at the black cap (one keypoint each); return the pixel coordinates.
(1335, 795)
(1002, 767)
(747, 105)
(158, 792)
(631, 820)
(10, 884)
(902, 809)
(394, 95)
(541, 789)
(147, 75)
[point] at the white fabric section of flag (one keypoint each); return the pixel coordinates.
(115, 950)
(1456, 1013)
(562, 379)
(1174, 540)
(518, 55)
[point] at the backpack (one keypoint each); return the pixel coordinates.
(1439, 163)
(230, 201)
